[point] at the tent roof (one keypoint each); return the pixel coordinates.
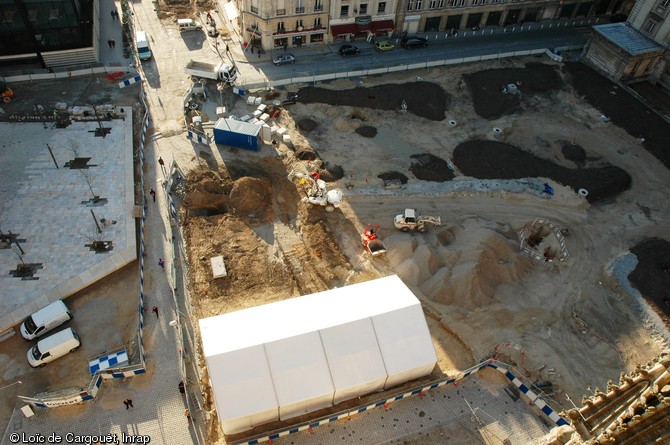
(296, 316)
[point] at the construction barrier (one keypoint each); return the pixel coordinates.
(507, 370)
(130, 81)
(197, 137)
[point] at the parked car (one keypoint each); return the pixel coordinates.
(384, 45)
(283, 59)
(348, 50)
(414, 42)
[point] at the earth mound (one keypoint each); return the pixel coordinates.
(429, 167)
(367, 131)
(251, 197)
(307, 125)
(330, 173)
(393, 176)
(497, 160)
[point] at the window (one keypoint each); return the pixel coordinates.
(456, 3)
(344, 11)
(254, 9)
(299, 7)
(478, 2)
(435, 4)
(414, 5)
(298, 24)
(650, 27)
(381, 8)
(281, 11)
(280, 27)
(317, 22)
(363, 9)
(664, 4)
(318, 5)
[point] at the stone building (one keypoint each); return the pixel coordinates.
(652, 19)
(269, 24)
(451, 15)
(353, 19)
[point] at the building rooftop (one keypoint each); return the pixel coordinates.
(627, 38)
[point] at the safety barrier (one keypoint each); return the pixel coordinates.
(197, 137)
(130, 81)
(507, 370)
(525, 233)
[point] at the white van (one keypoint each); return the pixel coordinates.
(142, 44)
(44, 320)
(52, 347)
(188, 24)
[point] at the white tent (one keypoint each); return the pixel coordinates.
(296, 356)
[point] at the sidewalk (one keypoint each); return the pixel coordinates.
(110, 29)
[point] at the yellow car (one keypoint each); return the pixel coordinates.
(384, 46)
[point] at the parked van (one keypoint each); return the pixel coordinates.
(45, 320)
(142, 44)
(52, 347)
(188, 24)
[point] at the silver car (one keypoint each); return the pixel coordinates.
(283, 59)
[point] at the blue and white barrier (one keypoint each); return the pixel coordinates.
(130, 81)
(199, 138)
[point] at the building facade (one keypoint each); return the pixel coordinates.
(452, 15)
(351, 19)
(268, 24)
(652, 19)
(47, 33)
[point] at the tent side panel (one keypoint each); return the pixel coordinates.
(300, 374)
(405, 343)
(354, 359)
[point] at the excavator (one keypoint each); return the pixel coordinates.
(6, 93)
(370, 240)
(318, 193)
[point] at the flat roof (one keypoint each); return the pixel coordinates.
(627, 38)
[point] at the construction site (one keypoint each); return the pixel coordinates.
(507, 198)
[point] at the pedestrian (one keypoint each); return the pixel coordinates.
(130, 403)
(113, 14)
(113, 43)
(109, 42)
(144, 309)
(182, 389)
(227, 49)
(125, 402)
(252, 49)
(259, 53)
(155, 311)
(152, 192)
(187, 413)
(161, 263)
(161, 162)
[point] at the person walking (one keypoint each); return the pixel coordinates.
(153, 194)
(113, 14)
(113, 43)
(130, 403)
(161, 162)
(155, 311)
(187, 413)
(161, 263)
(109, 42)
(182, 389)
(125, 402)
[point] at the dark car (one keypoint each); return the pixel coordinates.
(283, 59)
(348, 50)
(414, 42)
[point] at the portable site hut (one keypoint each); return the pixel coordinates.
(285, 359)
(238, 134)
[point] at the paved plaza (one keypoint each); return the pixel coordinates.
(49, 209)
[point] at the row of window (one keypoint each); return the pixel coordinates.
(362, 9)
(298, 25)
(299, 9)
(416, 5)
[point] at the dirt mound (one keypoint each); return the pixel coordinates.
(207, 190)
(428, 167)
(251, 197)
(330, 173)
(423, 99)
(573, 152)
(497, 160)
(334, 263)
(652, 273)
(307, 125)
(487, 88)
(367, 131)
(305, 153)
(393, 176)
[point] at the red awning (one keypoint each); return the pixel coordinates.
(338, 30)
(382, 25)
(363, 28)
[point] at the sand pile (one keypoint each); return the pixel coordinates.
(207, 190)
(464, 267)
(251, 197)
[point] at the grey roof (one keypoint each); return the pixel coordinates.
(627, 38)
(236, 126)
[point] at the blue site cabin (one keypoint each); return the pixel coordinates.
(238, 134)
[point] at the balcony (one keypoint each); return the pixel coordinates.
(281, 11)
(318, 8)
(300, 10)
